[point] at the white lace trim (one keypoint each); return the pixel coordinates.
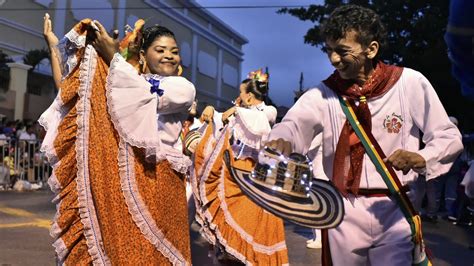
(240, 117)
(67, 48)
(207, 169)
(55, 232)
(244, 133)
(152, 142)
(87, 210)
(269, 250)
(50, 120)
(199, 216)
(78, 40)
(206, 214)
(138, 209)
(179, 162)
(61, 250)
(53, 181)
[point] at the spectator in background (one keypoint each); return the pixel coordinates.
(447, 184)
(4, 174)
(28, 134)
(10, 129)
(20, 128)
(3, 138)
(9, 163)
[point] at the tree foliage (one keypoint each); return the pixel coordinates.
(415, 39)
(413, 26)
(4, 70)
(34, 57)
(4, 59)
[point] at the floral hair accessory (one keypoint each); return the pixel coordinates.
(258, 75)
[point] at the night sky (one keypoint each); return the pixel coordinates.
(276, 41)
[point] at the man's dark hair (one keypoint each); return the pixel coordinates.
(360, 19)
(152, 33)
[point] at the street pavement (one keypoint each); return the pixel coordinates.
(25, 219)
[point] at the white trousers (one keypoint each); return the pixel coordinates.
(191, 204)
(317, 234)
(373, 232)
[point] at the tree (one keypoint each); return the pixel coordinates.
(4, 59)
(34, 57)
(415, 39)
(4, 70)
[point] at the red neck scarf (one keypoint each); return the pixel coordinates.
(347, 167)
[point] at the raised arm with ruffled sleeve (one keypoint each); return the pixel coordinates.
(148, 110)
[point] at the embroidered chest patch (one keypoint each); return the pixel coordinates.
(393, 123)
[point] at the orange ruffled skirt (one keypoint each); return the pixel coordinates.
(244, 230)
(113, 207)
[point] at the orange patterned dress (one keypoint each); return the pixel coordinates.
(114, 205)
(229, 219)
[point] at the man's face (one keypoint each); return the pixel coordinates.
(347, 55)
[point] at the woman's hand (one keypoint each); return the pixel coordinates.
(105, 45)
(52, 42)
(48, 33)
(208, 114)
(238, 102)
(227, 114)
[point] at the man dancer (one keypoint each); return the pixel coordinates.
(392, 103)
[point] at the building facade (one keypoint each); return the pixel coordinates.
(211, 51)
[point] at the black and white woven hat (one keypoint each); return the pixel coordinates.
(286, 188)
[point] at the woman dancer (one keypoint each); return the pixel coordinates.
(118, 169)
(230, 220)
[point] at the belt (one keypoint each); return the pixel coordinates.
(377, 192)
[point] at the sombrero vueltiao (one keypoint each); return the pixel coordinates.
(286, 188)
(191, 140)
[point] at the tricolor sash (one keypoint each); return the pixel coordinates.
(376, 155)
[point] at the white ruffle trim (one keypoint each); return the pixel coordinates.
(206, 214)
(250, 127)
(241, 133)
(253, 120)
(269, 250)
(50, 120)
(179, 162)
(67, 48)
(87, 210)
(132, 109)
(139, 211)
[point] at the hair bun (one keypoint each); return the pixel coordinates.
(262, 87)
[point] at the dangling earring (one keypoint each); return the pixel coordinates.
(143, 64)
(180, 70)
(248, 100)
